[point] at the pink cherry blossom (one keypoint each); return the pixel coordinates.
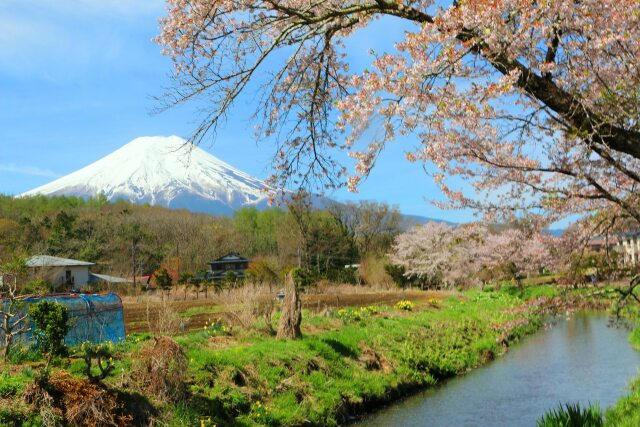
(535, 105)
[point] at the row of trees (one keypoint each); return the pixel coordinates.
(131, 240)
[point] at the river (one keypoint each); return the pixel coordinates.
(579, 359)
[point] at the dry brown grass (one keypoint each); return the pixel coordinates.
(160, 369)
(372, 360)
(371, 272)
(81, 402)
(163, 319)
(247, 305)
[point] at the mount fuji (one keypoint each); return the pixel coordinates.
(163, 171)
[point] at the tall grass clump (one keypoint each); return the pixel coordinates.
(572, 415)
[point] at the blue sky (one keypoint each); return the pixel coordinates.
(77, 81)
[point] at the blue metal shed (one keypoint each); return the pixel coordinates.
(94, 318)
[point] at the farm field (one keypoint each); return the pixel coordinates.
(141, 313)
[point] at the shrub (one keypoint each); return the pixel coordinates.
(405, 305)
(161, 369)
(51, 324)
(164, 319)
(103, 357)
(572, 415)
(230, 279)
(397, 274)
(302, 278)
(372, 272)
(164, 280)
(36, 287)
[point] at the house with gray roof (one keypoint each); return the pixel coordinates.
(64, 274)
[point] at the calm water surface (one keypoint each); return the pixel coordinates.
(580, 359)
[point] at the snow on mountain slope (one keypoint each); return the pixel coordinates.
(163, 171)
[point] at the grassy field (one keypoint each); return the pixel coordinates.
(349, 360)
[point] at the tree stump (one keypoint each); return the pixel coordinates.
(291, 318)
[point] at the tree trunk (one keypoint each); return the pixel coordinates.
(291, 318)
(7, 342)
(7, 347)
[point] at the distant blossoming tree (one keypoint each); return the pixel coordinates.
(425, 251)
(535, 102)
(525, 251)
(457, 255)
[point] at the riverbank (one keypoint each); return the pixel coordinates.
(626, 412)
(578, 358)
(348, 362)
(328, 377)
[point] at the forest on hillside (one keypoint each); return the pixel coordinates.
(121, 236)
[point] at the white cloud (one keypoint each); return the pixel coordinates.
(28, 170)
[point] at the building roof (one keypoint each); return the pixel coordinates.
(631, 234)
(230, 257)
(54, 261)
(94, 277)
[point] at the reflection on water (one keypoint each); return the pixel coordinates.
(580, 359)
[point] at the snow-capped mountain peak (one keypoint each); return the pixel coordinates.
(164, 171)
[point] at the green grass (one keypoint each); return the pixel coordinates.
(626, 411)
(340, 366)
(572, 415)
(317, 379)
(531, 292)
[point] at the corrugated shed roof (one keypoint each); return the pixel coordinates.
(54, 261)
(107, 278)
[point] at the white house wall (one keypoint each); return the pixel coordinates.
(631, 250)
(79, 274)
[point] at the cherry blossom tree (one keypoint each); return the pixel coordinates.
(424, 250)
(459, 254)
(533, 102)
(437, 250)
